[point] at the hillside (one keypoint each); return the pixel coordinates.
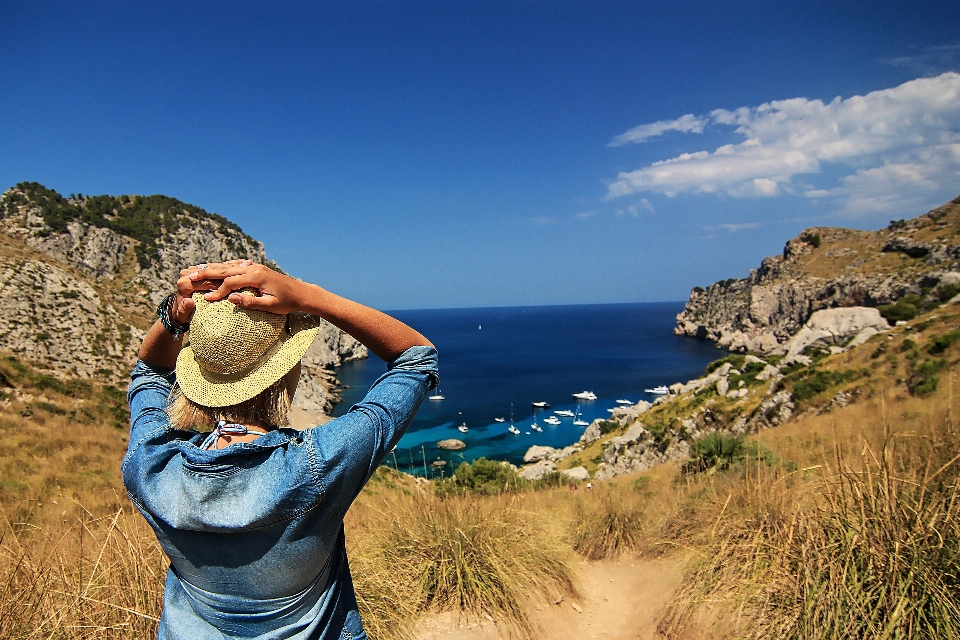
(826, 267)
(80, 278)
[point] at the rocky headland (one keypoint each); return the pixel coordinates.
(80, 277)
(826, 268)
(829, 293)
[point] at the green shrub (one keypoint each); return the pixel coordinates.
(944, 342)
(898, 311)
(608, 426)
(946, 291)
(819, 381)
(736, 361)
(486, 477)
(813, 239)
(924, 379)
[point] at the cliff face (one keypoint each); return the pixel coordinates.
(825, 268)
(80, 279)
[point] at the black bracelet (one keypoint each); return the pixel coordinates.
(164, 312)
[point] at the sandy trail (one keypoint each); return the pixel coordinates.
(621, 600)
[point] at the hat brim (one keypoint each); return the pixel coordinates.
(213, 390)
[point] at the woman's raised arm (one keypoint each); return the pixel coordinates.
(385, 336)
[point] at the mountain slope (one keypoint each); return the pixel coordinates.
(80, 278)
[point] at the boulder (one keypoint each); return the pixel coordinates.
(451, 445)
(536, 471)
(768, 372)
(633, 435)
(834, 327)
(950, 277)
(536, 453)
(751, 359)
(577, 473)
(722, 385)
(591, 433)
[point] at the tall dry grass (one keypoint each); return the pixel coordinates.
(610, 521)
(79, 576)
(862, 542)
(482, 556)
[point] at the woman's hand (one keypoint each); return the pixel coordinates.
(276, 292)
(184, 306)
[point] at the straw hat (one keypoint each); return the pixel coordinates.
(236, 353)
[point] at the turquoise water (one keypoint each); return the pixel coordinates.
(491, 358)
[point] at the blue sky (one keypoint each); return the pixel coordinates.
(451, 154)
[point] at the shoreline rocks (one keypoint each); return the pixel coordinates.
(452, 444)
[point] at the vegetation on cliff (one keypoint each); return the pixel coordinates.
(143, 218)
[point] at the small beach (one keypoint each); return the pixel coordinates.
(494, 357)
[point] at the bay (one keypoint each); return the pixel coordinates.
(492, 358)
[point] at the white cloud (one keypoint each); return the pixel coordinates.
(902, 140)
(733, 228)
(585, 215)
(684, 124)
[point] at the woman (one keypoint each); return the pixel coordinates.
(251, 514)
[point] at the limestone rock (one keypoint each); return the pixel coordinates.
(591, 433)
(451, 444)
(537, 470)
(722, 385)
(536, 453)
(768, 372)
(835, 327)
(577, 473)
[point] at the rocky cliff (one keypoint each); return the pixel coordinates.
(80, 278)
(823, 268)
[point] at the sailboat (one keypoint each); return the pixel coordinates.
(463, 428)
(512, 429)
(436, 396)
(577, 421)
(535, 426)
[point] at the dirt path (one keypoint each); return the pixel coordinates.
(621, 600)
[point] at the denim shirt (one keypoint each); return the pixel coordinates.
(254, 531)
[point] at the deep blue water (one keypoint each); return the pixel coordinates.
(491, 358)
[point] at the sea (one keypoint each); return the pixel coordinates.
(495, 362)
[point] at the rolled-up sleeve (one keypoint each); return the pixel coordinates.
(147, 395)
(349, 449)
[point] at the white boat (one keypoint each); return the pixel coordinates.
(585, 395)
(463, 428)
(611, 410)
(536, 427)
(552, 420)
(512, 429)
(622, 401)
(499, 419)
(566, 413)
(541, 405)
(658, 391)
(436, 396)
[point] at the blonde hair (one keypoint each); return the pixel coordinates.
(268, 408)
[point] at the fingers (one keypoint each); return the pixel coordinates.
(261, 303)
(198, 267)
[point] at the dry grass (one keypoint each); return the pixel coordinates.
(610, 522)
(476, 555)
(68, 576)
(862, 541)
